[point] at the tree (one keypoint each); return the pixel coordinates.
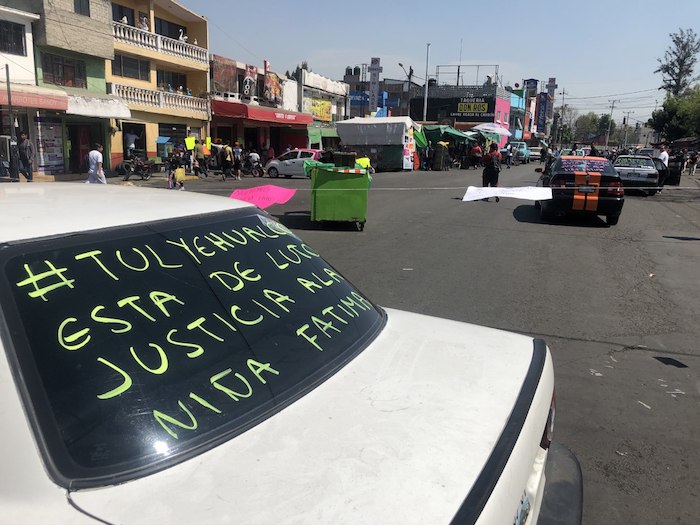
(603, 125)
(678, 117)
(676, 68)
(586, 127)
(297, 72)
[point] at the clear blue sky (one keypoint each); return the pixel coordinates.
(594, 49)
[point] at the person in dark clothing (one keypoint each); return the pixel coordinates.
(492, 167)
(26, 156)
(594, 151)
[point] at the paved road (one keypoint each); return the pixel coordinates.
(617, 306)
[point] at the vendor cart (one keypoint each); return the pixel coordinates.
(340, 194)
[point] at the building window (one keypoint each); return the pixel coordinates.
(121, 13)
(12, 38)
(63, 71)
(82, 7)
(505, 118)
(174, 80)
(169, 29)
(124, 66)
(498, 116)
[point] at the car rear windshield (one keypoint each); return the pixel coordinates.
(634, 162)
(572, 165)
(141, 346)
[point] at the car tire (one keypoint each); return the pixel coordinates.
(651, 193)
(273, 173)
(611, 220)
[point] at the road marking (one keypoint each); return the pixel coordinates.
(644, 405)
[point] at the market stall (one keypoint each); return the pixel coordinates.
(387, 141)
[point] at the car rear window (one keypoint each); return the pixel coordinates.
(572, 165)
(634, 162)
(141, 346)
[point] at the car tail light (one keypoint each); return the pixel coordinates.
(549, 427)
(615, 188)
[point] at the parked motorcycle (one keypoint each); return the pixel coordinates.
(134, 166)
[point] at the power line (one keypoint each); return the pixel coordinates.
(614, 94)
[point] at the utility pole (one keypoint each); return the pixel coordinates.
(627, 124)
(14, 155)
(425, 93)
(561, 119)
(607, 135)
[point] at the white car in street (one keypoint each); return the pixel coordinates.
(172, 357)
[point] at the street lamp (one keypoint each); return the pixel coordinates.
(425, 94)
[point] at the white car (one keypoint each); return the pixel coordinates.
(171, 357)
(291, 163)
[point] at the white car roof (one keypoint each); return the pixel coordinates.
(45, 209)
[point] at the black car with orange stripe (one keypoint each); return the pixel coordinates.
(582, 185)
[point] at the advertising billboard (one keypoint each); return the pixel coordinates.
(473, 109)
(542, 103)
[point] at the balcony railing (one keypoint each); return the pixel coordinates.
(159, 99)
(162, 44)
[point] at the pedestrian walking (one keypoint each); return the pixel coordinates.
(26, 156)
(226, 159)
(692, 162)
(96, 174)
(509, 155)
(200, 159)
(492, 167)
(237, 160)
(476, 155)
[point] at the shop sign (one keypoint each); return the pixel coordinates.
(250, 82)
(49, 144)
(273, 86)
(474, 109)
(359, 98)
(542, 111)
(321, 109)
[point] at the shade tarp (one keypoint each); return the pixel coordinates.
(419, 138)
(384, 131)
(314, 135)
(436, 132)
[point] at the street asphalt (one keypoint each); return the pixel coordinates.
(618, 307)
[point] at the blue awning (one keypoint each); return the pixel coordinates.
(162, 140)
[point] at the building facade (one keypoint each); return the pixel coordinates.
(67, 110)
(160, 69)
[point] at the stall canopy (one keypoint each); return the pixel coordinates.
(383, 131)
(435, 133)
(419, 138)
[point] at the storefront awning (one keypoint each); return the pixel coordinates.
(97, 105)
(28, 96)
(222, 108)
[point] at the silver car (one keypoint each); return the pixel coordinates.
(291, 163)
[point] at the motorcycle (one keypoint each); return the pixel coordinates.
(252, 167)
(134, 166)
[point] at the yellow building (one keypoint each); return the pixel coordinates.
(161, 70)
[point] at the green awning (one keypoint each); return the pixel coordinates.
(329, 132)
(436, 132)
(419, 139)
(314, 135)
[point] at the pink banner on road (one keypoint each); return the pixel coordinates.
(264, 196)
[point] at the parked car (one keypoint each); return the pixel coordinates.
(641, 171)
(521, 153)
(291, 164)
(581, 185)
(173, 357)
(535, 153)
(646, 151)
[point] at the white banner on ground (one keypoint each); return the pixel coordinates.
(530, 193)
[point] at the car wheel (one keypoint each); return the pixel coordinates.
(545, 215)
(651, 193)
(273, 173)
(611, 220)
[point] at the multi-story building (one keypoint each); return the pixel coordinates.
(161, 69)
(256, 107)
(394, 94)
(71, 109)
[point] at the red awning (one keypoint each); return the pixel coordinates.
(222, 108)
(34, 97)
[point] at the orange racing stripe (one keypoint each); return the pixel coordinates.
(586, 201)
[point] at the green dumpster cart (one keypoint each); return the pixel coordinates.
(339, 194)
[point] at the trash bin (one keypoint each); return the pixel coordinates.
(339, 195)
(344, 159)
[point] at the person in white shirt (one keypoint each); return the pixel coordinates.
(96, 174)
(663, 156)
